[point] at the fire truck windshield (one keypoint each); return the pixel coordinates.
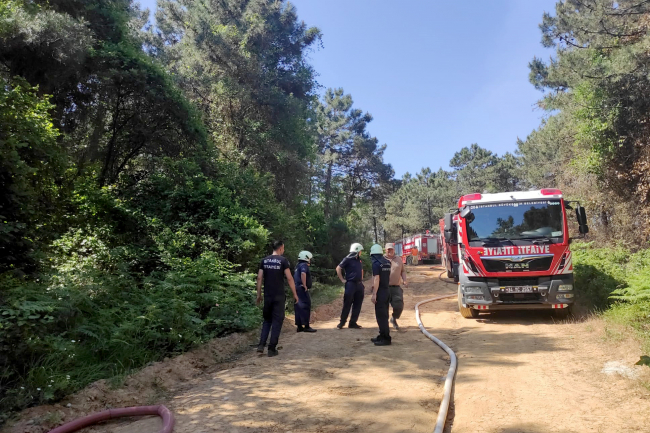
(542, 219)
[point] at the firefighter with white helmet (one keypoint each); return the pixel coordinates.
(302, 280)
(380, 294)
(353, 295)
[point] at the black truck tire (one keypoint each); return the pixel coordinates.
(466, 312)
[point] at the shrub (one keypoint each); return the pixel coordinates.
(83, 323)
(617, 281)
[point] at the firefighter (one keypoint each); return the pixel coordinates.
(302, 280)
(381, 269)
(353, 295)
(397, 273)
(273, 269)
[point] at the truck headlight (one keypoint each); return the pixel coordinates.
(565, 287)
(564, 295)
(470, 289)
(475, 298)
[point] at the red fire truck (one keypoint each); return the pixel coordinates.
(449, 251)
(514, 251)
(418, 248)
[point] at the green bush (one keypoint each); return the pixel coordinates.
(82, 323)
(136, 277)
(618, 282)
(598, 272)
(32, 166)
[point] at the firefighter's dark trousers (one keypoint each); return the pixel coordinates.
(381, 312)
(396, 300)
(352, 299)
(303, 307)
(273, 314)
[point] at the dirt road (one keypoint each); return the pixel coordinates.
(527, 372)
(331, 381)
(518, 372)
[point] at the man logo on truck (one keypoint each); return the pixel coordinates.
(518, 266)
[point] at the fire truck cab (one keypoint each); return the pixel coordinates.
(514, 251)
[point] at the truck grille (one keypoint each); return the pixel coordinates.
(495, 264)
(518, 281)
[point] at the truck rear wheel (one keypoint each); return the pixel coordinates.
(466, 312)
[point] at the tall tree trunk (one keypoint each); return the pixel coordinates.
(374, 223)
(311, 182)
(350, 201)
(328, 189)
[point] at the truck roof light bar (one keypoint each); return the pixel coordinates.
(551, 191)
(468, 197)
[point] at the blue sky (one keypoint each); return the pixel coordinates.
(436, 76)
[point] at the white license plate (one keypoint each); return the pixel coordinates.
(519, 289)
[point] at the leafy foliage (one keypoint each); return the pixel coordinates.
(139, 196)
(614, 280)
(32, 166)
(593, 143)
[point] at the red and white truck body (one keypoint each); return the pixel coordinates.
(418, 248)
(449, 251)
(514, 251)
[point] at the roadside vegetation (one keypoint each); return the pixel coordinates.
(616, 283)
(144, 171)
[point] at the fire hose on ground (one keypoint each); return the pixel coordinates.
(451, 374)
(160, 410)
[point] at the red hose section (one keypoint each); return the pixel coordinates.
(160, 410)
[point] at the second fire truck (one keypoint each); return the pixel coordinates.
(418, 248)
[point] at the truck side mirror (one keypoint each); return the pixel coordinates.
(449, 221)
(581, 216)
(467, 214)
(449, 227)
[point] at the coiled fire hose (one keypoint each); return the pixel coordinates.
(451, 374)
(160, 410)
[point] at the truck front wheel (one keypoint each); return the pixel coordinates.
(466, 312)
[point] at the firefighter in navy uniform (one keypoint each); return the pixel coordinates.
(272, 271)
(353, 295)
(302, 280)
(380, 294)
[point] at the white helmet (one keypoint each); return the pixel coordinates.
(356, 247)
(305, 255)
(376, 249)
